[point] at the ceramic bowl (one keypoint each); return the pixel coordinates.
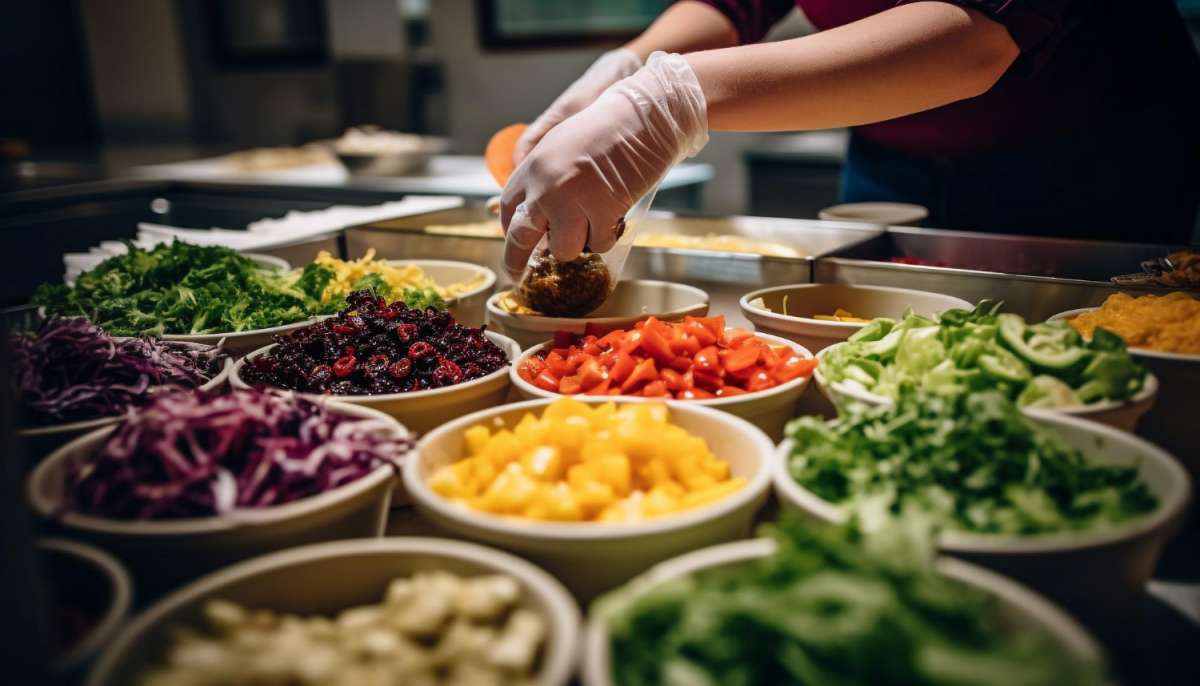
(590, 557)
(92, 582)
(1020, 609)
(1122, 415)
(467, 308)
(769, 410)
(1171, 422)
(805, 300)
(1098, 575)
(163, 553)
(330, 577)
(40, 441)
(630, 302)
(422, 411)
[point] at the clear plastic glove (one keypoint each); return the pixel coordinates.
(586, 173)
(609, 68)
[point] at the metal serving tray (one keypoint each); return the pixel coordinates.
(1036, 277)
(725, 276)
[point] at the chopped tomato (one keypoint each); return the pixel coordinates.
(793, 367)
(708, 379)
(557, 364)
(546, 381)
(695, 358)
(655, 389)
(685, 344)
(631, 342)
(644, 372)
(622, 367)
(591, 373)
(735, 338)
(694, 328)
(570, 385)
(600, 388)
(611, 339)
(742, 358)
(673, 379)
(759, 381)
(681, 364)
(656, 346)
(715, 325)
(708, 359)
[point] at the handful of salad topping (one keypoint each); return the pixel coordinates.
(1037, 365)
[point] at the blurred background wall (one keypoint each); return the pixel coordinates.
(141, 80)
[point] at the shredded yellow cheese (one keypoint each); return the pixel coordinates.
(397, 277)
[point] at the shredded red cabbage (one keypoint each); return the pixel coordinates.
(71, 370)
(196, 454)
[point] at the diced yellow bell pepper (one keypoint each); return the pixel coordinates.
(577, 462)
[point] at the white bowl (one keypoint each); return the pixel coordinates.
(875, 213)
(591, 557)
(467, 308)
(629, 303)
(808, 299)
(1098, 575)
(239, 343)
(329, 577)
(40, 441)
(1122, 415)
(162, 553)
(1172, 421)
(769, 410)
(91, 570)
(1019, 608)
(422, 411)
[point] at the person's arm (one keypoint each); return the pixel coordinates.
(589, 170)
(906, 59)
(684, 27)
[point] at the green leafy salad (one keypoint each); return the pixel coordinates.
(830, 606)
(1038, 365)
(179, 288)
(973, 462)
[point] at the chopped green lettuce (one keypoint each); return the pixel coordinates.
(971, 461)
(833, 605)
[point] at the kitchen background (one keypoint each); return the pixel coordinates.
(132, 82)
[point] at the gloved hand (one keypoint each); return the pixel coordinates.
(609, 68)
(586, 173)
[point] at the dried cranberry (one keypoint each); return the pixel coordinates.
(406, 332)
(345, 329)
(420, 350)
(320, 374)
(400, 369)
(447, 373)
(378, 360)
(345, 365)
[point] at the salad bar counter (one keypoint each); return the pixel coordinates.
(781, 451)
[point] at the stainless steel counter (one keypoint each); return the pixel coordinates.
(725, 276)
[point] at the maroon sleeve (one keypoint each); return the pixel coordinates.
(752, 18)
(1035, 25)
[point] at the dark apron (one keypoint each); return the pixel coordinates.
(1138, 181)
